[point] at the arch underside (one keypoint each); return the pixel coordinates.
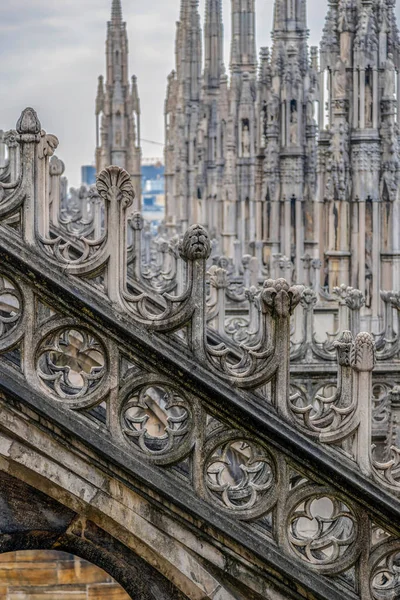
(31, 520)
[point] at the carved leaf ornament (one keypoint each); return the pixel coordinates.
(279, 298)
(114, 182)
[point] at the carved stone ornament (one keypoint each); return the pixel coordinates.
(115, 183)
(363, 353)
(28, 123)
(322, 529)
(70, 363)
(48, 143)
(137, 221)
(308, 299)
(158, 420)
(239, 475)
(279, 298)
(195, 244)
(343, 347)
(56, 167)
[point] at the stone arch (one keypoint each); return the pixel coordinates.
(31, 520)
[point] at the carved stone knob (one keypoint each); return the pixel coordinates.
(195, 244)
(308, 298)
(137, 222)
(279, 299)
(343, 347)
(28, 123)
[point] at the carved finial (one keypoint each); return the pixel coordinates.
(218, 277)
(279, 298)
(195, 244)
(343, 347)
(137, 221)
(114, 182)
(363, 352)
(354, 299)
(56, 166)
(308, 298)
(29, 122)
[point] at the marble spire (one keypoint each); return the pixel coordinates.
(117, 105)
(243, 45)
(116, 12)
(213, 44)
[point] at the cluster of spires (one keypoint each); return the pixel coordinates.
(300, 156)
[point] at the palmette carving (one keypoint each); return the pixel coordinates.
(114, 184)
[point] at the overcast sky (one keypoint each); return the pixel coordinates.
(52, 51)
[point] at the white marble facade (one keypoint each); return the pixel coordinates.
(294, 157)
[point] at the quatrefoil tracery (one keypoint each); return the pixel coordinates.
(11, 311)
(157, 419)
(322, 529)
(71, 363)
(240, 475)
